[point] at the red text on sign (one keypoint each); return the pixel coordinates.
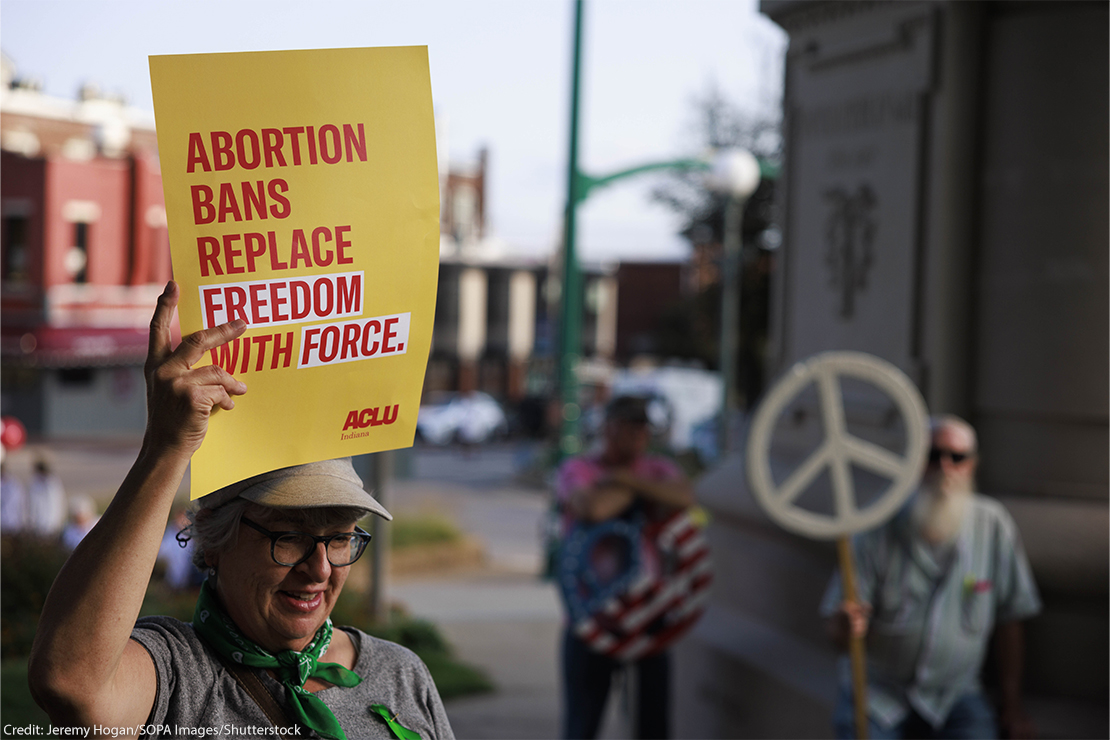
(235, 254)
(249, 148)
(347, 341)
(283, 300)
(252, 196)
(235, 356)
(369, 417)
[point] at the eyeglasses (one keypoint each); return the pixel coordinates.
(293, 548)
(936, 453)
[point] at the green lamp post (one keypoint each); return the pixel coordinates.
(729, 171)
(570, 315)
(736, 174)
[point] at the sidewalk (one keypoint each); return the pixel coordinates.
(503, 619)
(508, 624)
(93, 468)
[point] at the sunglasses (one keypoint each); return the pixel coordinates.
(936, 453)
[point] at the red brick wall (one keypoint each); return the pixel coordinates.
(150, 253)
(26, 179)
(645, 291)
(108, 184)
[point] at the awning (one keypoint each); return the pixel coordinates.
(57, 347)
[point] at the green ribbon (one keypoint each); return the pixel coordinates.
(291, 668)
(402, 732)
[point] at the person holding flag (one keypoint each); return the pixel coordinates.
(621, 481)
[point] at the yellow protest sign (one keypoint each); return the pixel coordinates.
(302, 195)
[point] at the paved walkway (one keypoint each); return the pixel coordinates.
(503, 619)
(86, 468)
(508, 624)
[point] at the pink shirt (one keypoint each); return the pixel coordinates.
(585, 471)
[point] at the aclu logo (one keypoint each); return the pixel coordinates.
(372, 417)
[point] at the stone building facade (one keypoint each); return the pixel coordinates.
(944, 205)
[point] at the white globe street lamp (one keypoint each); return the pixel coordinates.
(735, 173)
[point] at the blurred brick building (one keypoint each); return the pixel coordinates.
(84, 254)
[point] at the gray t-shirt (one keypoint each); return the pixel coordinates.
(195, 690)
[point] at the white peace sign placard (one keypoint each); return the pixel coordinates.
(839, 450)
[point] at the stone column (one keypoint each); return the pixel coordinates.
(472, 325)
(522, 329)
(606, 337)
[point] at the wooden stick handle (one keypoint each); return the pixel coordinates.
(856, 649)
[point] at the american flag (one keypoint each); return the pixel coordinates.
(660, 596)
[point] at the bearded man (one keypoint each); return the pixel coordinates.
(934, 583)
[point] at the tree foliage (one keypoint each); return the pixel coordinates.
(691, 329)
(720, 124)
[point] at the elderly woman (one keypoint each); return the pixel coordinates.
(261, 651)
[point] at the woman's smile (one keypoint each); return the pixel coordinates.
(279, 607)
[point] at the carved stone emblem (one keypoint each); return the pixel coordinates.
(849, 235)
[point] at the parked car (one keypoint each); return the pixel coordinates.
(471, 418)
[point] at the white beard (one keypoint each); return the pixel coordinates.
(938, 515)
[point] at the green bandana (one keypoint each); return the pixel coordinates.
(292, 668)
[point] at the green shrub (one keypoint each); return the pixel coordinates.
(418, 635)
(28, 566)
(412, 530)
(16, 705)
(453, 678)
(161, 600)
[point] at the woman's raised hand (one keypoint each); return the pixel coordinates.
(84, 669)
(180, 399)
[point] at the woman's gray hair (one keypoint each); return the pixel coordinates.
(217, 530)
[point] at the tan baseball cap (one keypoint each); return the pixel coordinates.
(309, 486)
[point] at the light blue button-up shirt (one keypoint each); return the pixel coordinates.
(933, 613)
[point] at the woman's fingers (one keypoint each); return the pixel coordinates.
(216, 376)
(193, 347)
(181, 399)
(207, 397)
(225, 403)
(204, 387)
(159, 343)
